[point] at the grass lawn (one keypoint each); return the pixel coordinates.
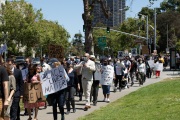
(159, 101)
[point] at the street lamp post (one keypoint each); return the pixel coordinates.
(5, 36)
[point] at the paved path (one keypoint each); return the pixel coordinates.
(46, 114)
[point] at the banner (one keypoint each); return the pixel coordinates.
(54, 80)
(120, 54)
(97, 74)
(3, 49)
(107, 75)
(145, 50)
(33, 93)
(24, 73)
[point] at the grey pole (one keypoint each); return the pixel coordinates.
(154, 28)
(167, 35)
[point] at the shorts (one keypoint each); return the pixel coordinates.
(106, 89)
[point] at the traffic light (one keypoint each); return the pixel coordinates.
(84, 28)
(108, 30)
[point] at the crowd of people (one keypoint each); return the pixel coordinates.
(82, 81)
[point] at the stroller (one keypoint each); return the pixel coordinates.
(124, 82)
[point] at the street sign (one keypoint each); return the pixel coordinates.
(102, 42)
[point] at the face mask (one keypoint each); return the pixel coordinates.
(140, 61)
(85, 59)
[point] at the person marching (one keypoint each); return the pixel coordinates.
(107, 79)
(12, 89)
(33, 78)
(87, 79)
(96, 81)
(70, 90)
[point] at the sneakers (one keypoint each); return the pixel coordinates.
(108, 100)
(105, 99)
(125, 87)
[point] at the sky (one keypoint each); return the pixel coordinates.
(68, 13)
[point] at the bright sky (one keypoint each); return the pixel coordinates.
(68, 13)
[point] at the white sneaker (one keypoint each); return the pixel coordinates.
(108, 100)
(104, 100)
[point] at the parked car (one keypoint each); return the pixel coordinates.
(19, 59)
(36, 60)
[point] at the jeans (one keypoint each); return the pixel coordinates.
(94, 90)
(70, 91)
(58, 98)
(15, 109)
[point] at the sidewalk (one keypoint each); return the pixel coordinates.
(46, 114)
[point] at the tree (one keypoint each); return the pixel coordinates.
(88, 17)
(77, 43)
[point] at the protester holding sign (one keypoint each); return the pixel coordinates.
(70, 90)
(58, 98)
(107, 78)
(12, 89)
(33, 78)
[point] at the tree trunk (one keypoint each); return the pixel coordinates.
(87, 17)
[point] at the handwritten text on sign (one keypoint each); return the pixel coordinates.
(53, 80)
(107, 75)
(33, 93)
(56, 51)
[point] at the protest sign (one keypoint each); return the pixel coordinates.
(107, 75)
(24, 73)
(158, 66)
(145, 50)
(33, 93)
(120, 54)
(3, 48)
(151, 63)
(134, 51)
(97, 74)
(56, 51)
(54, 80)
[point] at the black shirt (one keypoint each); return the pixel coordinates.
(3, 77)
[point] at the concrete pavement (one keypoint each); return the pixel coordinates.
(46, 114)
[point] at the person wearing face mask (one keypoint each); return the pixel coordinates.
(106, 85)
(141, 69)
(119, 73)
(71, 88)
(88, 69)
(15, 108)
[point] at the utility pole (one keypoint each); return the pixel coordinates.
(167, 35)
(154, 28)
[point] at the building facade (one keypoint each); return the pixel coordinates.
(117, 10)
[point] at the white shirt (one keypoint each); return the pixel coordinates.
(142, 68)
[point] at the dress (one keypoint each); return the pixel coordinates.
(37, 104)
